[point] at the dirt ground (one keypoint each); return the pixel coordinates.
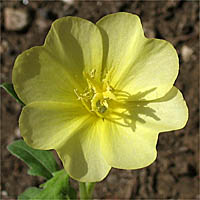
(174, 175)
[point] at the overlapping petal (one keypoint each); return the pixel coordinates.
(78, 44)
(155, 70)
(138, 64)
(82, 154)
(126, 148)
(122, 39)
(47, 125)
(164, 114)
(53, 71)
(130, 141)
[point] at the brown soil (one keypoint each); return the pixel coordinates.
(174, 175)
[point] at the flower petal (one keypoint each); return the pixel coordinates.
(122, 34)
(127, 149)
(165, 114)
(138, 64)
(81, 154)
(78, 44)
(155, 70)
(46, 125)
(51, 72)
(38, 76)
(130, 137)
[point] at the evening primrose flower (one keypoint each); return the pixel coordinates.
(99, 94)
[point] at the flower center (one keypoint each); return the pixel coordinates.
(97, 95)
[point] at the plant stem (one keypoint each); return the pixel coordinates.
(90, 188)
(86, 190)
(83, 191)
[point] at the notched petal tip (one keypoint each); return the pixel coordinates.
(172, 111)
(121, 15)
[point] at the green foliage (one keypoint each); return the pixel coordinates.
(57, 188)
(8, 87)
(41, 163)
(29, 193)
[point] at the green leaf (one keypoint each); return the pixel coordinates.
(41, 163)
(8, 87)
(29, 193)
(57, 188)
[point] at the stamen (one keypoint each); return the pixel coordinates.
(95, 98)
(77, 94)
(80, 97)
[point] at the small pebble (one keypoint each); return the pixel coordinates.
(4, 193)
(183, 149)
(17, 133)
(15, 19)
(25, 2)
(42, 24)
(186, 53)
(99, 3)
(69, 1)
(3, 46)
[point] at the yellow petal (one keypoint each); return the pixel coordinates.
(38, 76)
(130, 137)
(53, 71)
(81, 154)
(78, 44)
(46, 125)
(122, 34)
(153, 72)
(137, 64)
(167, 113)
(126, 148)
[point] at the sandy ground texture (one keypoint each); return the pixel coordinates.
(174, 175)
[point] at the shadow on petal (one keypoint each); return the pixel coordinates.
(170, 95)
(51, 71)
(81, 153)
(105, 49)
(64, 47)
(131, 113)
(135, 111)
(72, 156)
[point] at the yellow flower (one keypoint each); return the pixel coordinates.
(99, 94)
